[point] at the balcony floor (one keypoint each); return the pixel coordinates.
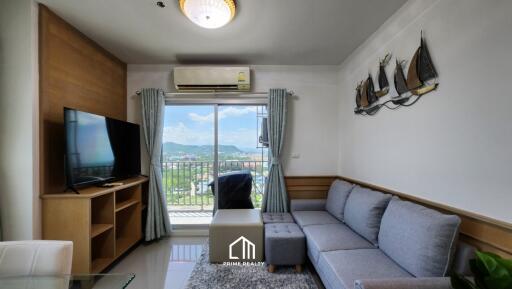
(190, 216)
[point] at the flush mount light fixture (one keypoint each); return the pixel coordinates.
(209, 14)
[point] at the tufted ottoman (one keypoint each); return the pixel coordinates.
(277, 218)
(285, 244)
(236, 235)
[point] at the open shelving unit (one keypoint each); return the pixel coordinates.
(126, 204)
(97, 229)
(103, 223)
(128, 218)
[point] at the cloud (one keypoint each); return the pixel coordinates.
(182, 134)
(201, 118)
(230, 111)
(233, 111)
(242, 138)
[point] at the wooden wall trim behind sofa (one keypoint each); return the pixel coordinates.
(483, 232)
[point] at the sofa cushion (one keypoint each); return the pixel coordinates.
(340, 269)
(331, 237)
(308, 218)
(269, 218)
(307, 205)
(421, 240)
(336, 198)
(364, 210)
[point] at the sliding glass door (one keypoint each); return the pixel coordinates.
(239, 149)
(188, 154)
(202, 142)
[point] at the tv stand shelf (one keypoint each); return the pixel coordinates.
(126, 204)
(103, 223)
(98, 229)
(92, 192)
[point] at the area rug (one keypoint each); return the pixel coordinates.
(217, 276)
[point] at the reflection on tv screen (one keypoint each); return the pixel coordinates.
(99, 148)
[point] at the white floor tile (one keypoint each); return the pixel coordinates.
(163, 264)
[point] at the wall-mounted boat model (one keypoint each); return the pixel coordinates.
(366, 96)
(400, 85)
(421, 79)
(422, 76)
(383, 79)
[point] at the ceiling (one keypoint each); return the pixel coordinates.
(280, 32)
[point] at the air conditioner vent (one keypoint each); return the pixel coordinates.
(206, 87)
(212, 78)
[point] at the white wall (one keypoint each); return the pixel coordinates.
(455, 145)
(19, 196)
(312, 115)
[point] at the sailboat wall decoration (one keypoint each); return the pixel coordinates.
(400, 85)
(421, 79)
(383, 79)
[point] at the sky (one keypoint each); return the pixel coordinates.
(194, 125)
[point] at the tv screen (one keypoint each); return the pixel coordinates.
(99, 149)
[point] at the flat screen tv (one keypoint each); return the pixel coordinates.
(99, 149)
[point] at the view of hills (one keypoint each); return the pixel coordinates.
(176, 148)
(181, 149)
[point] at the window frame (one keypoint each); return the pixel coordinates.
(216, 101)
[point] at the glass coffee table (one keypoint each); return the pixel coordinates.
(92, 281)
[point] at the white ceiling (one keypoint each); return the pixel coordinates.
(294, 32)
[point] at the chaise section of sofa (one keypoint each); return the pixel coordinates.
(344, 244)
(341, 268)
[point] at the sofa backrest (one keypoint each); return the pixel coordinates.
(363, 212)
(337, 197)
(419, 239)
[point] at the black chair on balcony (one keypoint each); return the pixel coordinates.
(234, 190)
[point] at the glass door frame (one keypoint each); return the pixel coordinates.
(216, 101)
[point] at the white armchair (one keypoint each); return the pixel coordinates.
(20, 258)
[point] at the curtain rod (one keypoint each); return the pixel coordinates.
(138, 92)
(217, 93)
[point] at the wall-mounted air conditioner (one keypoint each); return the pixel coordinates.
(212, 78)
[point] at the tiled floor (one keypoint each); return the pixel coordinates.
(166, 264)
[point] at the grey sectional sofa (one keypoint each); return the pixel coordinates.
(359, 238)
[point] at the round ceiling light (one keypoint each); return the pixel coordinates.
(209, 14)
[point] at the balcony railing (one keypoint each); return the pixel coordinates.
(186, 183)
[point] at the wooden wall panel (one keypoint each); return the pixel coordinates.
(308, 187)
(74, 72)
(483, 232)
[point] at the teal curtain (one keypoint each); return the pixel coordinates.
(157, 221)
(276, 198)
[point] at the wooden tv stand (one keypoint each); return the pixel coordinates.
(103, 223)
